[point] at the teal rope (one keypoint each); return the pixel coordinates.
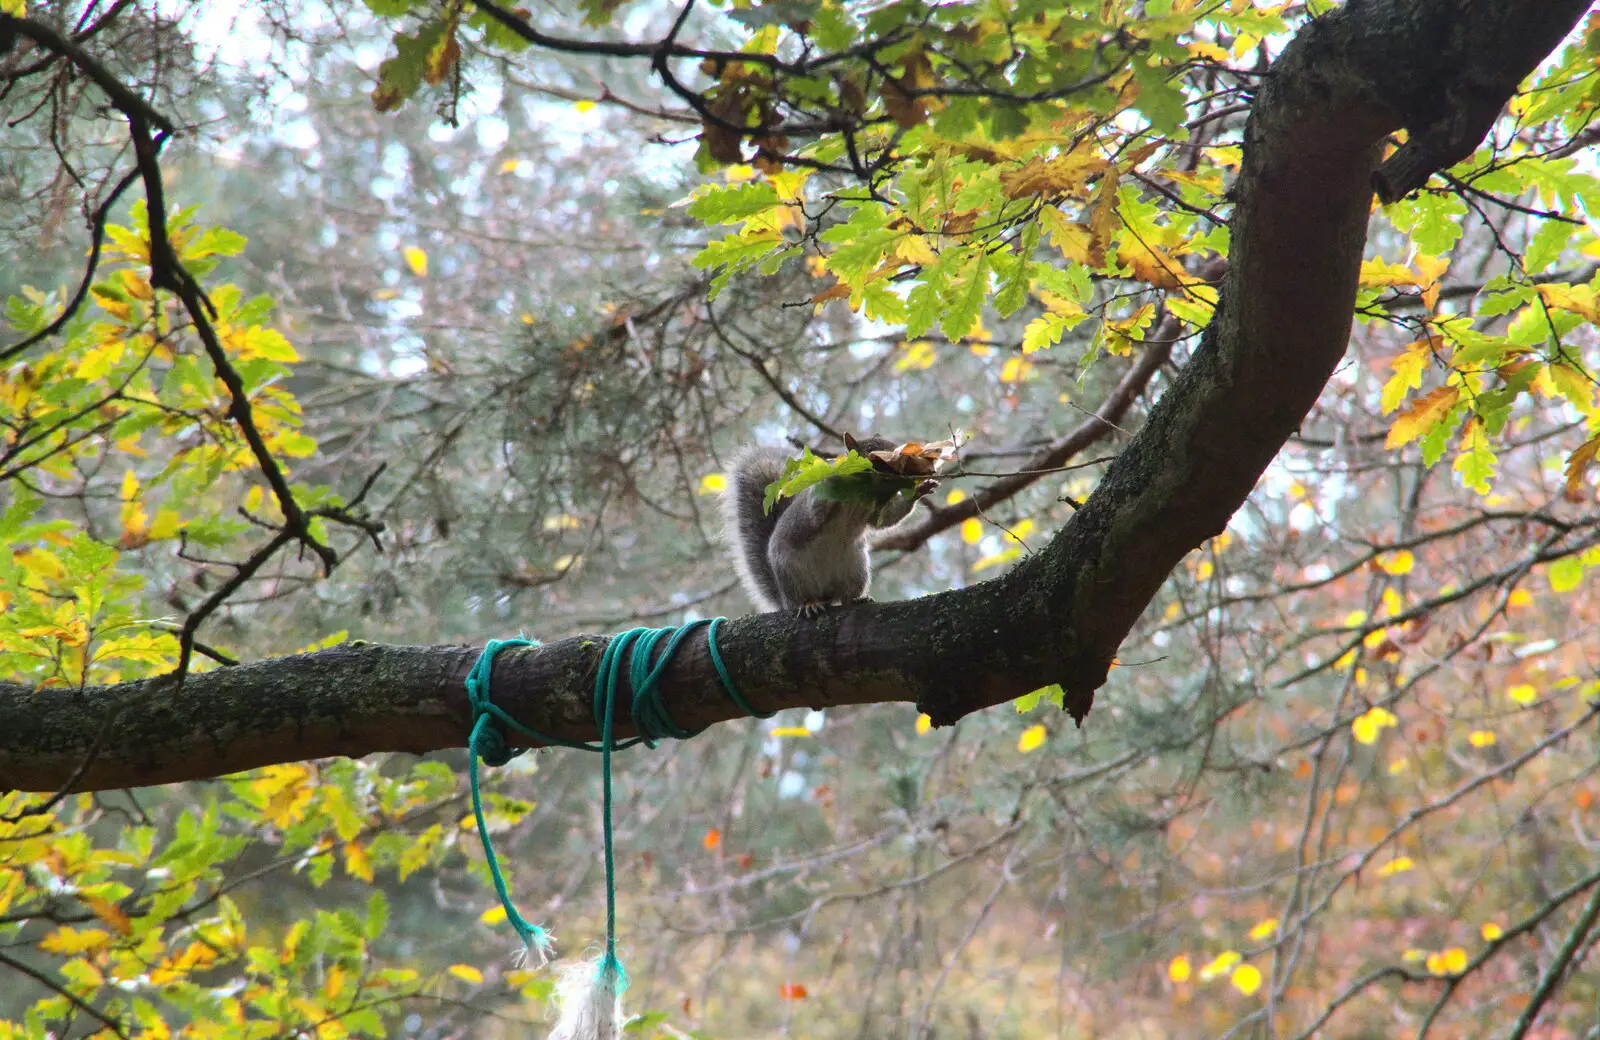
(489, 743)
(651, 722)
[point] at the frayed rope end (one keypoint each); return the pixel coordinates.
(589, 999)
(537, 943)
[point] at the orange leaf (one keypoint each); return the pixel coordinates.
(1425, 413)
(110, 913)
(1578, 463)
(1103, 218)
(712, 839)
(836, 291)
(793, 991)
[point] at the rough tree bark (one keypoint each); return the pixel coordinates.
(1441, 68)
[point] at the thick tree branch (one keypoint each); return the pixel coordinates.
(1303, 196)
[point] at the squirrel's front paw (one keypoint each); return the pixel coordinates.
(810, 610)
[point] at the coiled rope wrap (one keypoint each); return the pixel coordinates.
(651, 721)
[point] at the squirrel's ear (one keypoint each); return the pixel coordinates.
(849, 443)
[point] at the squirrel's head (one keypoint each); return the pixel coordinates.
(866, 444)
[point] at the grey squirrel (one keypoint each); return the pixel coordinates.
(809, 552)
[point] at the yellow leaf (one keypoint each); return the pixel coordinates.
(1455, 960)
(19, 8)
(98, 361)
(270, 344)
(1204, 571)
(1491, 931)
(1392, 604)
(791, 731)
(917, 355)
(130, 486)
(1221, 964)
(1398, 562)
(1178, 968)
(1518, 598)
(972, 530)
(1579, 299)
(1264, 929)
(466, 972)
(739, 172)
(1378, 273)
(562, 522)
(1366, 726)
(510, 165)
(356, 861)
(1432, 268)
(494, 915)
(1004, 556)
(713, 483)
(1247, 978)
(1412, 955)
(1408, 368)
(1065, 175)
(1398, 865)
(135, 525)
(955, 495)
(1425, 413)
(1032, 739)
(1481, 737)
(1398, 766)
(1374, 639)
(584, 106)
(416, 259)
(1523, 694)
(69, 942)
(924, 724)
(1074, 240)
(914, 249)
(166, 525)
(333, 985)
(1016, 370)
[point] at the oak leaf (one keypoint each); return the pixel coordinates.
(1425, 413)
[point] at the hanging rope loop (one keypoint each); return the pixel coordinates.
(651, 722)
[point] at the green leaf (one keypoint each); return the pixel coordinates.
(399, 77)
(732, 204)
(808, 470)
(1566, 574)
(1052, 694)
(966, 298)
(728, 256)
(377, 917)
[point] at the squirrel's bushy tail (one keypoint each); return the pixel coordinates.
(747, 527)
